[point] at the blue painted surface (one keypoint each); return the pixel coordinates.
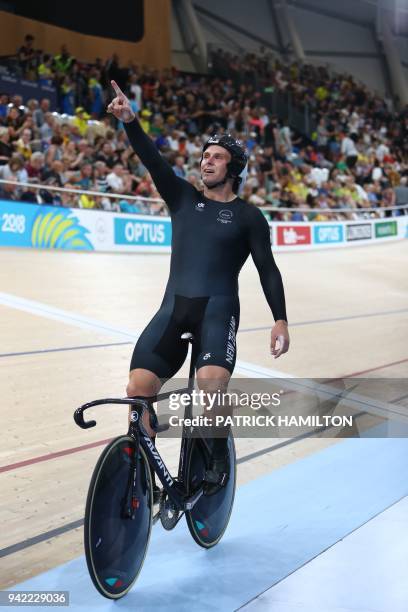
(364, 572)
(280, 522)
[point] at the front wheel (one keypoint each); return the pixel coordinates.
(209, 518)
(116, 544)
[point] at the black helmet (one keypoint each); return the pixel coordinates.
(239, 158)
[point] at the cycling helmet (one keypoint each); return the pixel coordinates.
(236, 168)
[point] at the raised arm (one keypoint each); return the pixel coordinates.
(270, 277)
(167, 183)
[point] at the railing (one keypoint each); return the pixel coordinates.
(145, 203)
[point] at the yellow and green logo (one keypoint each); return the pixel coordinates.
(59, 229)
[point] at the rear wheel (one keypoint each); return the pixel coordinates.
(209, 518)
(115, 544)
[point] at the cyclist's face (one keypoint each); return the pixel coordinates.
(214, 164)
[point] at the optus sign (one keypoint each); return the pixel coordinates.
(142, 232)
(385, 229)
(293, 235)
(324, 234)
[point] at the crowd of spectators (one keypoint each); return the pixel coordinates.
(355, 158)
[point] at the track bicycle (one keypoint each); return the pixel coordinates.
(119, 510)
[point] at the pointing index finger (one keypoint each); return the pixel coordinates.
(117, 89)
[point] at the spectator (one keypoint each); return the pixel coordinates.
(14, 170)
(23, 144)
(63, 61)
(179, 166)
(40, 113)
(100, 174)
(55, 176)
(85, 178)
(348, 149)
(115, 179)
(26, 54)
(36, 166)
(6, 150)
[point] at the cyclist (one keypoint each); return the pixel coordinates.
(213, 233)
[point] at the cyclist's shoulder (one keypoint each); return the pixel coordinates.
(252, 212)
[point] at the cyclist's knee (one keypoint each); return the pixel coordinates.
(213, 378)
(142, 383)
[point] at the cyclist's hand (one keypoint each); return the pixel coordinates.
(120, 105)
(279, 338)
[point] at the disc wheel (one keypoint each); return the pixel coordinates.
(115, 544)
(208, 519)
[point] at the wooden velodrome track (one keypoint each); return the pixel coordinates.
(67, 326)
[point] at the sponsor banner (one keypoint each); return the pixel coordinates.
(28, 89)
(385, 229)
(359, 231)
(53, 227)
(293, 235)
(49, 227)
(136, 231)
(328, 233)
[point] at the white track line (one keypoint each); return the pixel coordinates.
(64, 316)
(250, 370)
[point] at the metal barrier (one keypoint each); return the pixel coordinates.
(145, 204)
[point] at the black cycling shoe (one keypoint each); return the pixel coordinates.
(217, 476)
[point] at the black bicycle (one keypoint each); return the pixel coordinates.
(119, 507)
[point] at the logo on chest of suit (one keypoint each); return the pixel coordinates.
(225, 216)
(200, 206)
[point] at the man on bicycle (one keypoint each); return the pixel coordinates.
(213, 233)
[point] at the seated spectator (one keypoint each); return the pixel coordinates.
(47, 128)
(115, 179)
(36, 166)
(6, 150)
(9, 191)
(85, 178)
(39, 113)
(100, 180)
(87, 201)
(69, 200)
(23, 144)
(14, 170)
(55, 175)
(178, 167)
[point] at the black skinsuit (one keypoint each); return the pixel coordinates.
(211, 241)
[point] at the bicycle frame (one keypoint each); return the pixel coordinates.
(137, 431)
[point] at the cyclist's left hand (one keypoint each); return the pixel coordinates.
(279, 338)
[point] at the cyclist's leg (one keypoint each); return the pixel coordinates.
(159, 353)
(215, 364)
(146, 384)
